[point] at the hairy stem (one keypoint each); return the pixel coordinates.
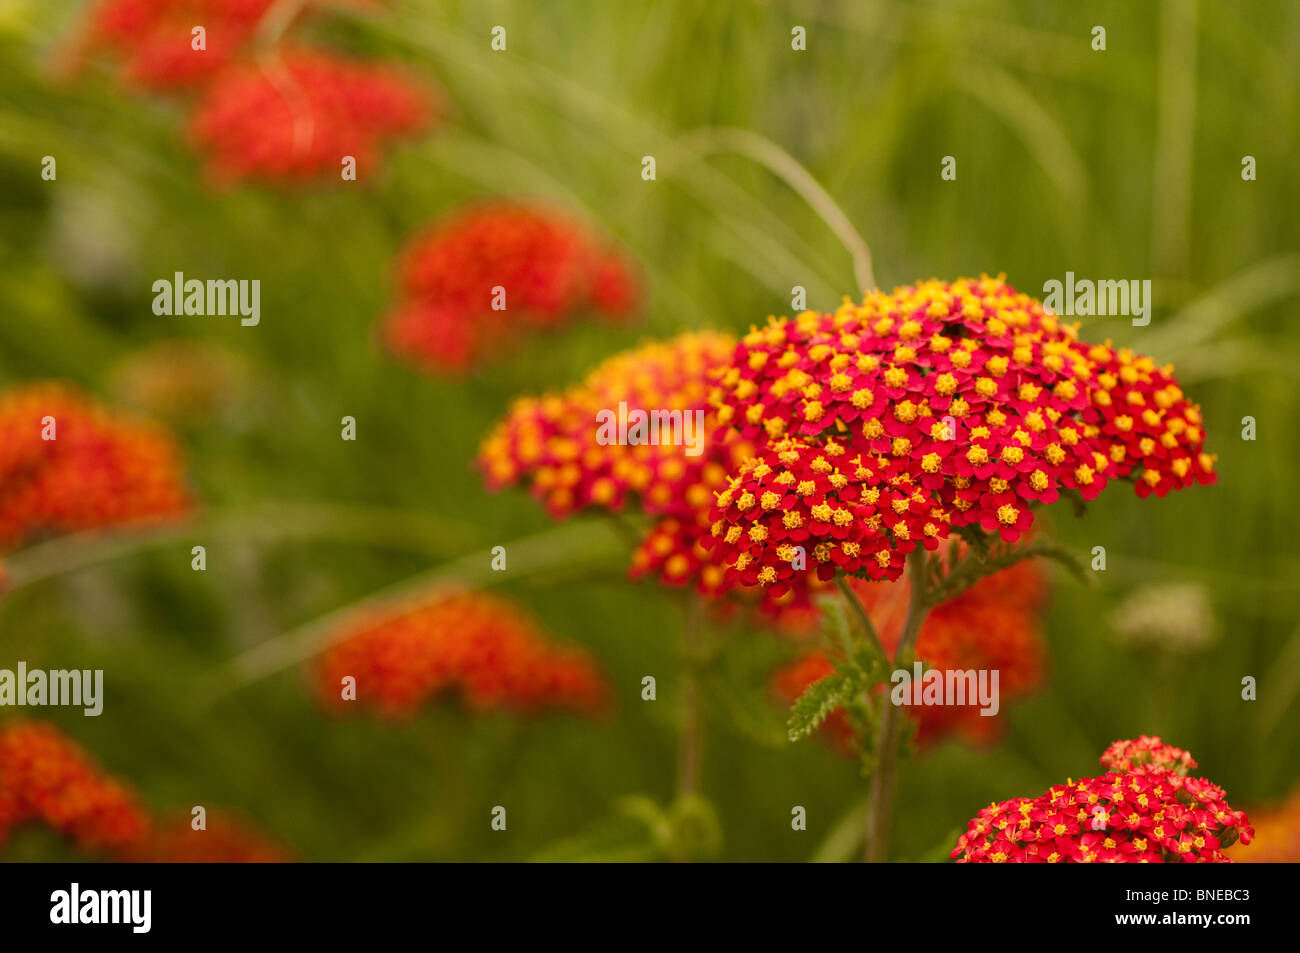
(880, 807)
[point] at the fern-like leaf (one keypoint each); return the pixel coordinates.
(816, 703)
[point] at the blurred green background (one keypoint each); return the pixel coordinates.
(1117, 164)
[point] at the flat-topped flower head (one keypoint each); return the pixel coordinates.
(485, 277)
(46, 778)
(490, 653)
(67, 465)
(1147, 815)
(984, 402)
(294, 118)
(553, 446)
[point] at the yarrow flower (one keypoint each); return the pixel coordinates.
(224, 839)
(67, 465)
(813, 500)
(549, 444)
(993, 625)
(940, 406)
(294, 118)
(1145, 810)
(46, 778)
(482, 647)
(550, 269)
(154, 39)
(1146, 754)
(272, 113)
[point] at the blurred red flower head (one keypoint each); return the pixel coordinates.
(294, 118)
(486, 649)
(155, 39)
(224, 839)
(48, 779)
(67, 464)
(482, 279)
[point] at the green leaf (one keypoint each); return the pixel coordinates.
(816, 704)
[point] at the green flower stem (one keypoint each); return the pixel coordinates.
(881, 804)
(690, 735)
(861, 612)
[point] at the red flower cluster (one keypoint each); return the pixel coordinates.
(1146, 754)
(46, 778)
(154, 37)
(295, 118)
(487, 649)
(940, 405)
(96, 469)
(276, 115)
(1147, 815)
(993, 625)
(549, 267)
(224, 840)
(550, 445)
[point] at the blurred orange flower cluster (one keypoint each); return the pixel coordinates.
(68, 464)
(1277, 834)
(486, 649)
(262, 113)
(46, 778)
(547, 268)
